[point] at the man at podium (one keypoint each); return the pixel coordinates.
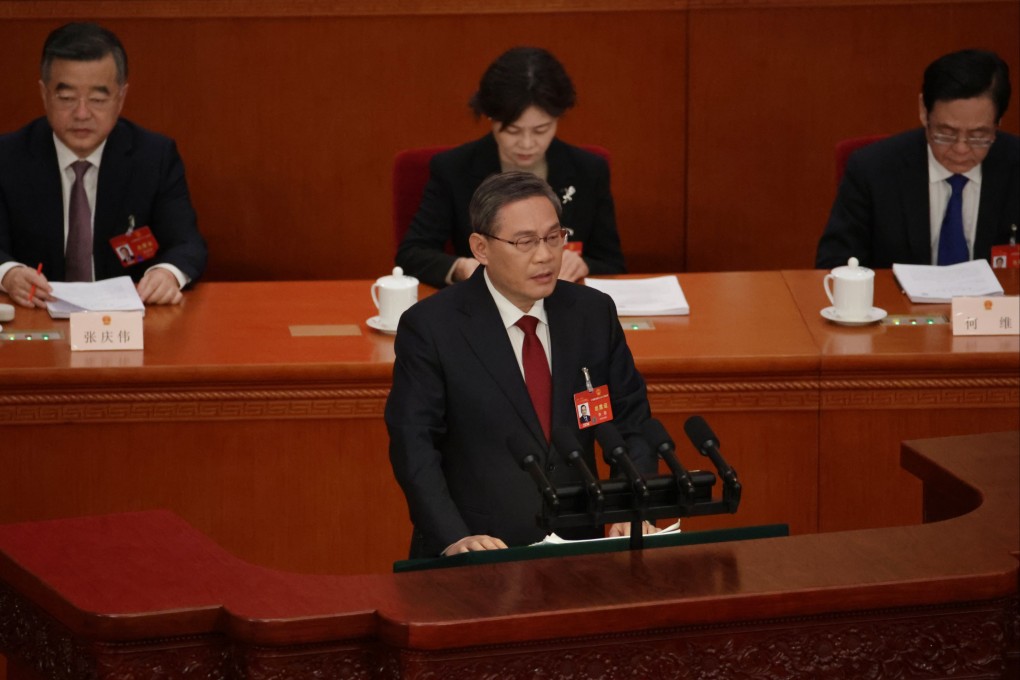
(505, 352)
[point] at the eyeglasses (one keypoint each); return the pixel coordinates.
(943, 139)
(69, 102)
(526, 244)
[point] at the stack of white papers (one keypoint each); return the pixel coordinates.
(928, 283)
(555, 539)
(110, 295)
(657, 296)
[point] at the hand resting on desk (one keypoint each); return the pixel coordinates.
(159, 287)
(472, 543)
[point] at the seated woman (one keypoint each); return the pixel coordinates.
(523, 93)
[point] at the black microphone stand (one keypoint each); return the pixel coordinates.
(635, 499)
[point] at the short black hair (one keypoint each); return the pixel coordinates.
(502, 189)
(83, 41)
(967, 74)
(519, 78)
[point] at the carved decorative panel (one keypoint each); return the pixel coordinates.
(39, 642)
(348, 662)
(914, 645)
(907, 644)
(200, 658)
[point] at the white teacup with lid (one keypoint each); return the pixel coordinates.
(852, 291)
(393, 295)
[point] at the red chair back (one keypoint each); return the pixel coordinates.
(411, 173)
(846, 147)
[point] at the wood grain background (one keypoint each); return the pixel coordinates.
(721, 116)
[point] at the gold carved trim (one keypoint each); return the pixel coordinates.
(747, 386)
(193, 406)
(979, 392)
(784, 395)
(920, 383)
(985, 392)
(369, 402)
(922, 398)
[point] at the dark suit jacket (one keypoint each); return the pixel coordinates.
(881, 214)
(455, 174)
(141, 174)
(458, 393)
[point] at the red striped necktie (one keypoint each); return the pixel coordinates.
(536, 372)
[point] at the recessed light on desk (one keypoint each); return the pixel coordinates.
(637, 325)
(31, 335)
(915, 320)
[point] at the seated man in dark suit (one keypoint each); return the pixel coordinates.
(467, 377)
(81, 176)
(942, 194)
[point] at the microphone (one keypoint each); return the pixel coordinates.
(660, 440)
(523, 450)
(566, 443)
(707, 443)
(615, 452)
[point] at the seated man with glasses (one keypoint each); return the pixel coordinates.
(502, 355)
(941, 194)
(76, 184)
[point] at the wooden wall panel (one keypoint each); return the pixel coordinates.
(288, 127)
(322, 503)
(771, 91)
(289, 115)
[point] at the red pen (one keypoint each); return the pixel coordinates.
(31, 293)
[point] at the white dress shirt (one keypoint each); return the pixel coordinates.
(510, 314)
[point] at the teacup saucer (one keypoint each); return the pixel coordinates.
(874, 314)
(376, 323)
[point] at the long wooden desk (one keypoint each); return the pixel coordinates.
(274, 445)
(880, 385)
(126, 595)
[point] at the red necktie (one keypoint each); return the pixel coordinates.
(78, 253)
(536, 372)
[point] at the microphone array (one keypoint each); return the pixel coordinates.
(628, 496)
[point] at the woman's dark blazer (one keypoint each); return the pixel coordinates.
(455, 174)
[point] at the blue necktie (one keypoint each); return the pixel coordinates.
(952, 244)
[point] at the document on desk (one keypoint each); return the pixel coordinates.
(109, 295)
(928, 283)
(554, 539)
(655, 296)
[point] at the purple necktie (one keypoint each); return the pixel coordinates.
(536, 372)
(78, 253)
(952, 243)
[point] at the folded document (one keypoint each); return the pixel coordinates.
(553, 539)
(110, 295)
(655, 296)
(928, 283)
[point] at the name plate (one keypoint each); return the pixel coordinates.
(96, 331)
(998, 315)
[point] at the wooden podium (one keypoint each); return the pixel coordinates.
(144, 595)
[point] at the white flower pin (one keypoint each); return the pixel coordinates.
(568, 194)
